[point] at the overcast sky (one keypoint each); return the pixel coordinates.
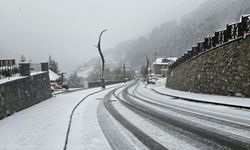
(69, 29)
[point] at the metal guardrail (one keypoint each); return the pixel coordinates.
(8, 68)
(232, 31)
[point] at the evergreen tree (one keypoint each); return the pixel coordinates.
(53, 65)
(173, 38)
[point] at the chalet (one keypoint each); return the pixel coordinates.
(160, 66)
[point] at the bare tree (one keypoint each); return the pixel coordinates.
(103, 61)
(124, 71)
(53, 65)
(146, 70)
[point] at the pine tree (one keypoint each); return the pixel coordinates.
(53, 65)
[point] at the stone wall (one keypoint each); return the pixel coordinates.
(223, 70)
(21, 93)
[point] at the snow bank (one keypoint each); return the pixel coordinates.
(42, 126)
(228, 100)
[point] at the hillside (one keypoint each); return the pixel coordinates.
(174, 38)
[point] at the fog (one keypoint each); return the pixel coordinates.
(69, 29)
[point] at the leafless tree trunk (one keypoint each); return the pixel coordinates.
(147, 79)
(124, 70)
(103, 61)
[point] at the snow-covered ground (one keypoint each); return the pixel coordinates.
(199, 116)
(198, 108)
(85, 130)
(152, 130)
(44, 126)
(237, 101)
(59, 91)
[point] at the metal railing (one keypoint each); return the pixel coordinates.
(8, 68)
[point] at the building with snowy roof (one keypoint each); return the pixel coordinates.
(160, 66)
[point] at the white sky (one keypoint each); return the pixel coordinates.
(69, 29)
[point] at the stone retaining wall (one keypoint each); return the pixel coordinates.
(224, 70)
(21, 93)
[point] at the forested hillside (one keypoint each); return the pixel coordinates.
(174, 38)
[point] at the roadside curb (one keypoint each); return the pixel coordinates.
(201, 101)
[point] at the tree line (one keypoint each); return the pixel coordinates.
(173, 38)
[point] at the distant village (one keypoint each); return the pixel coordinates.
(114, 73)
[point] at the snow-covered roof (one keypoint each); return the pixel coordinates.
(53, 76)
(165, 61)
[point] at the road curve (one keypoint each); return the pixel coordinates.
(139, 134)
(194, 125)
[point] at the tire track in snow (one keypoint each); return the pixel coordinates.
(139, 134)
(226, 140)
(72, 113)
(219, 118)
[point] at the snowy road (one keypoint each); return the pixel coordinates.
(125, 116)
(162, 122)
